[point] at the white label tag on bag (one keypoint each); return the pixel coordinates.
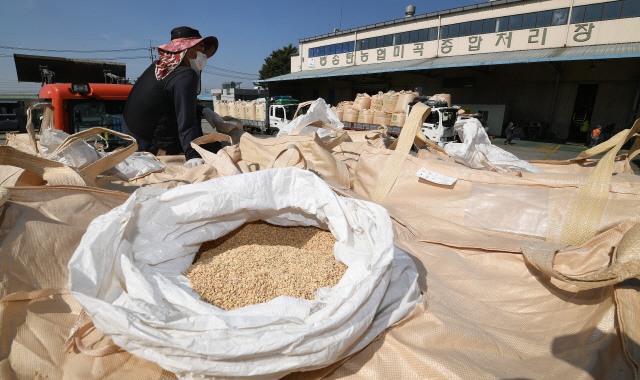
(434, 177)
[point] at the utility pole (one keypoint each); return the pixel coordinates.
(151, 51)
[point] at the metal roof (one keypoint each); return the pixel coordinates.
(481, 5)
(575, 53)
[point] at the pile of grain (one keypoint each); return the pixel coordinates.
(259, 262)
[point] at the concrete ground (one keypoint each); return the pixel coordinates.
(525, 150)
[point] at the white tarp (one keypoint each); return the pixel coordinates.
(127, 274)
(318, 111)
(476, 150)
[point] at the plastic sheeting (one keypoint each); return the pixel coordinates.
(318, 110)
(127, 274)
(80, 154)
(476, 150)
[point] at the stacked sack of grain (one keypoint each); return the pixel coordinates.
(363, 101)
(233, 109)
(404, 98)
(260, 109)
(397, 119)
(351, 115)
(339, 112)
(382, 117)
(366, 116)
(389, 101)
(377, 101)
(250, 110)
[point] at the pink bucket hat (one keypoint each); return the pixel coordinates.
(184, 37)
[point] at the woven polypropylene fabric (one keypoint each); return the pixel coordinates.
(39, 231)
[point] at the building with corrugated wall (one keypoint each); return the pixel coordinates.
(554, 61)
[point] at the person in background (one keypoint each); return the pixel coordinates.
(584, 132)
(595, 136)
(161, 112)
(510, 132)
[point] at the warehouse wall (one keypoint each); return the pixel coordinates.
(528, 89)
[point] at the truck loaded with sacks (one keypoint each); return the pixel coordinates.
(261, 116)
(391, 109)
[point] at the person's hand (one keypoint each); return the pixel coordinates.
(192, 163)
(212, 117)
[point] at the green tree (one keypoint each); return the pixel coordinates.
(278, 63)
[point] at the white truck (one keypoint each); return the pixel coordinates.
(277, 114)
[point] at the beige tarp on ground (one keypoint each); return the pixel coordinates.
(40, 228)
(506, 304)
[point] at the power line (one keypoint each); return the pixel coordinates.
(72, 51)
(92, 59)
(231, 71)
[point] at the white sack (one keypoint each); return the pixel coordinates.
(137, 165)
(146, 244)
(318, 110)
(476, 150)
(78, 155)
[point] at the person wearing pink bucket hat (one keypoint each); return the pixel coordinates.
(161, 112)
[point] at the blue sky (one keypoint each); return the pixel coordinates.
(248, 31)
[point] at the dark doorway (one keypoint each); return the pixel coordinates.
(582, 110)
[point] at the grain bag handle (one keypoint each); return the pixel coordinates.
(5, 194)
(605, 146)
(401, 147)
(55, 173)
(82, 325)
(222, 161)
(105, 163)
(229, 120)
(624, 265)
(342, 134)
(588, 204)
(300, 106)
(47, 122)
(283, 159)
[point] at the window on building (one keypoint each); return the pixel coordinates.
(321, 50)
(413, 36)
(502, 24)
(338, 48)
(332, 49)
(560, 17)
(529, 20)
(359, 45)
(433, 33)
(593, 13)
(380, 41)
(372, 42)
(365, 44)
(388, 40)
(317, 52)
(454, 30)
(489, 25)
(310, 52)
(476, 27)
(351, 43)
(465, 29)
(423, 35)
(404, 38)
(444, 31)
(345, 47)
(396, 39)
(515, 22)
(577, 14)
(612, 10)
(544, 19)
(631, 8)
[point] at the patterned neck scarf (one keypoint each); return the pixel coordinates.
(167, 62)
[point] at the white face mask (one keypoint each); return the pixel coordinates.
(199, 62)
